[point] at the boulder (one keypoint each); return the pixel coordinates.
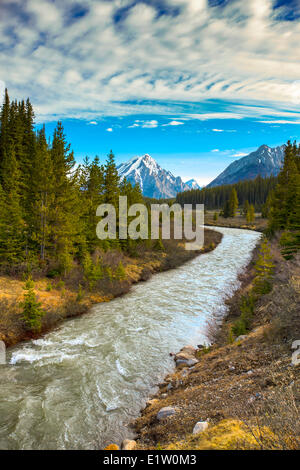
(165, 412)
(240, 338)
(187, 362)
(152, 402)
(186, 356)
(112, 447)
(127, 444)
(201, 426)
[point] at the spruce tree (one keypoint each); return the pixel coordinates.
(233, 203)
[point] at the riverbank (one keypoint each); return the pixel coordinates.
(245, 390)
(65, 297)
(259, 224)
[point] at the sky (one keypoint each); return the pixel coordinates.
(194, 83)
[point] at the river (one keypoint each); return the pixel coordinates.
(79, 386)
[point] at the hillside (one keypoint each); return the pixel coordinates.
(265, 161)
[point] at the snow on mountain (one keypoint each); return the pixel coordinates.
(265, 161)
(154, 181)
(192, 184)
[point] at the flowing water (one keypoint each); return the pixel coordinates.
(80, 385)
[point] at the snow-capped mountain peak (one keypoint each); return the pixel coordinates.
(192, 184)
(154, 181)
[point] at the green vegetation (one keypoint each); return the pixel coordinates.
(262, 284)
(253, 191)
(31, 308)
(264, 269)
(283, 207)
(47, 205)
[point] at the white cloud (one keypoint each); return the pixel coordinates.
(215, 150)
(280, 121)
(109, 129)
(218, 130)
(89, 66)
(150, 124)
(174, 123)
(93, 123)
(239, 155)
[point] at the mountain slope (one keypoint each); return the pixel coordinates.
(192, 184)
(265, 161)
(154, 181)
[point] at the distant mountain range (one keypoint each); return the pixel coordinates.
(154, 181)
(265, 161)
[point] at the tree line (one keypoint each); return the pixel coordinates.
(283, 204)
(254, 191)
(47, 202)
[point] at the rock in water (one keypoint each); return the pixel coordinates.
(165, 412)
(201, 426)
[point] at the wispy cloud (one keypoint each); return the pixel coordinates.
(126, 57)
(239, 155)
(109, 129)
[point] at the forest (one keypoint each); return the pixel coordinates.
(48, 202)
(254, 191)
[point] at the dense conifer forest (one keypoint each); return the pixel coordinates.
(47, 202)
(254, 191)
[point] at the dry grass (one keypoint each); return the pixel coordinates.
(239, 221)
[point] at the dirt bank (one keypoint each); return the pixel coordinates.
(245, 389)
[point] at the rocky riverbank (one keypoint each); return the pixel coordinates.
(241, 393)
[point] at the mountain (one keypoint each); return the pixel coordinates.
(265, 161)
(192, 184)
(154, 181)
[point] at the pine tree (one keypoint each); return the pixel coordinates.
(92, 195)
(31, 308)
(250, 216)
(41, 196)
(65, 220)
(111, 181)
(4, 128)
(264, 269)
(233, 203)
(12, 242)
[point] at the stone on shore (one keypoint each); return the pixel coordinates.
(128, 444)
(201, 426)
(112, 447)
(165, 412)
(186, 356)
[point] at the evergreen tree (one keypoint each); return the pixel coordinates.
(111, 181)
(233, 203)
(4, 128)
(12, 243)
(31, 308)
(65, 220)
(250, 214)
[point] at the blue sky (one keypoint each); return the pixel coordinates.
(194, 83)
